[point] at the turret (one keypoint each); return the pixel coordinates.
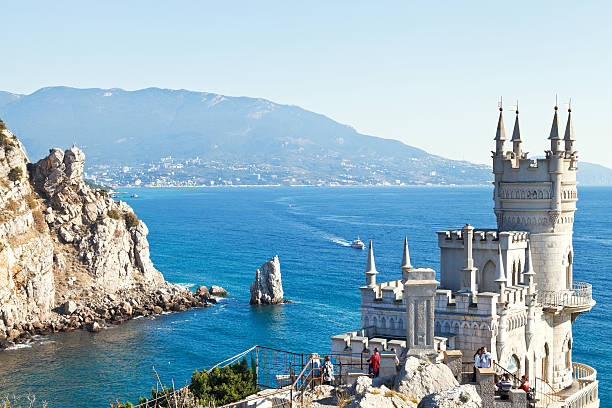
(555, 140)
(500, 134)
(516, 138)
(569, 133)
(371, 271)
(500, 277)
(468, 273)
(406, 265)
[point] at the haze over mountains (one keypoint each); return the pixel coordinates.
(247, 140)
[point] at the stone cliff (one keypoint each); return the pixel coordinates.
(71, 257)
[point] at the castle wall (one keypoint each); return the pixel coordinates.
(485, 256)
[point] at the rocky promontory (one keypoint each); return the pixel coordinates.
(70, 256)
(267, 289)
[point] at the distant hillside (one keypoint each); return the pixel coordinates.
(126, 128)
(590, 174)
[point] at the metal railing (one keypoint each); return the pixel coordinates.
(581, 294)
(544, 393)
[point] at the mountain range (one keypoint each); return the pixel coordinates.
(115, 127)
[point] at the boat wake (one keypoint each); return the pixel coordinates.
(337, 240)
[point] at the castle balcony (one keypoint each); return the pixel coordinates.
(579, 299)
(584, 392)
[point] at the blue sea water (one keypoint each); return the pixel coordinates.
(221, 236)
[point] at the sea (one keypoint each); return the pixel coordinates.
(220, 236)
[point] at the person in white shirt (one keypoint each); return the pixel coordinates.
(476, 363)
(485, 358)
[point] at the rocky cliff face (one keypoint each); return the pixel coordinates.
(267, 289)
(27, 289)
(70, 256)
(107, 237)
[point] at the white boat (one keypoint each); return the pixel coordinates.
(357, 244)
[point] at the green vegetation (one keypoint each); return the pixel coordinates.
(15, 174)
(222, 386)
(2, 125)
(131, 220)
(12, 205)
(32, 202)
(114, 214)
(56, 205)
(219, 386)
(39, 221)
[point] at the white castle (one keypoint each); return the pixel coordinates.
(510, 289)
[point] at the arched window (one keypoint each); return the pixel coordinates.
(487, 282)
(514, 365)
(545, 363)
(569, 271)
(568, 355)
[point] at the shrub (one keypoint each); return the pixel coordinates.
(2, 125)
(224, 385)
(31, 200)
(114, 214)
(39, 221)
(56, 205)
(15, 174)
(5, 142)
(131, 220)
(12, 205)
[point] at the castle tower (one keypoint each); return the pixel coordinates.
(540, 198)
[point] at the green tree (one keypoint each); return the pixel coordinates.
(224, 385)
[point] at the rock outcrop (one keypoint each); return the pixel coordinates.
(70, 256)
(464, 396)
(419, 378)
(267, 289)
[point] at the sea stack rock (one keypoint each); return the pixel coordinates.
(267, 289)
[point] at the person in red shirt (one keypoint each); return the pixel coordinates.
(524, 383)
(374, 360)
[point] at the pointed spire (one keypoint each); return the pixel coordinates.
(528, 262)
(554, 129)
(500, 134)
(516, 133)
(501, 277)
(406, 257)
(569, 129)
(371, 266)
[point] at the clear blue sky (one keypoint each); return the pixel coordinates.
(426, 73)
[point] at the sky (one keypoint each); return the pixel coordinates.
(427, 73)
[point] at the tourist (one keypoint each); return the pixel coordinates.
(485, 358)
(315, 368)
(476, 363)
(374, 361)
(328, 371)
(504, 386)
(525, 387)
(396, 359)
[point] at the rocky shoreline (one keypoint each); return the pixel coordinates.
(97, 312)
